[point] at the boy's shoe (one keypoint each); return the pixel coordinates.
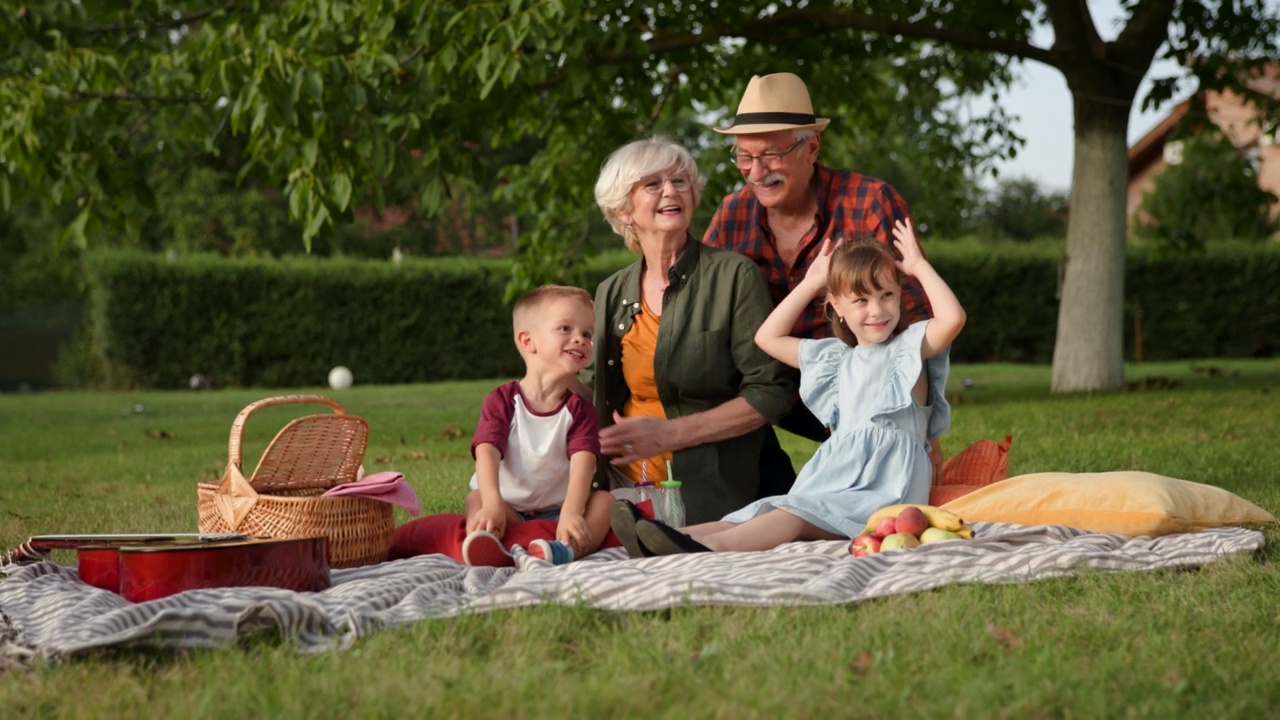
(484, 549)
(553, 551)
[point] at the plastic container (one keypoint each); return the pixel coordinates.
(646, 498)
(669, 504)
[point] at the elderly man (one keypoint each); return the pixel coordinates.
(791, 202)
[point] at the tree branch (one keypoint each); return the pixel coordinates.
(136, 97)
(807, 22)
(1143, 35)
(168, 23)
(1074, 30)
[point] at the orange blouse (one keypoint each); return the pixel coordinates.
(638, 348)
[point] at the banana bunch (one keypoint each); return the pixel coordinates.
(937, 517)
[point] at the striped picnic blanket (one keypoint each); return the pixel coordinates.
(47, 611)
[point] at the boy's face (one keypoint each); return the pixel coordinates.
(560, 335)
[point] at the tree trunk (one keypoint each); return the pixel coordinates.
(1088, 354)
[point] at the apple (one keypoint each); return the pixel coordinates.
(899, 541)
(933, 534)
(885, 528)
(911, 521)
(865, 544)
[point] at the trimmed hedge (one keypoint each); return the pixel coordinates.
(278, 323)
(1224, 303)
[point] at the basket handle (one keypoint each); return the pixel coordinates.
(235, 450)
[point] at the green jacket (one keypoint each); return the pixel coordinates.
(706, 355)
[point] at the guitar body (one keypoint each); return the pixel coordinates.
(147, 567)
(99, 565)
(148, 572)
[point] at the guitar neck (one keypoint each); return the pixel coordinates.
(39, 546)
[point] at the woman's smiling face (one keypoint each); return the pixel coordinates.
(661, 203)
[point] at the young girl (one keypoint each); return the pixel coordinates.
(878, 387)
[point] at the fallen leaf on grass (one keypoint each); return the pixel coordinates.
(1004, 636)
(383, 459)
(417, 454)
(453, 432)
(1151, 383)
(862, 664)
(1211, 371)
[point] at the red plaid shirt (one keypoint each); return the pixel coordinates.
(849, 205)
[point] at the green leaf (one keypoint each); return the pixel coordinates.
(315, 222)
(340, 188)
(143, 194)
(310, 147)
(259, 117)
(74, 233)
(432, 196)
(314, 83)
(295, 87)
(448, 57)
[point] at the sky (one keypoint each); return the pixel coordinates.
(1041, 100)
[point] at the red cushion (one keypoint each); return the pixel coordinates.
(978, 465)
(445, 532)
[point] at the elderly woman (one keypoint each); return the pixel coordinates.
(678, 376)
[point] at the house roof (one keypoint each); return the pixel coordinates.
(1150, 146)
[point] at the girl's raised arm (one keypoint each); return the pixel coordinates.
(774, 335)
(948, 316)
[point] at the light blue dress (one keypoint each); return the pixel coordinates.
(878, 452)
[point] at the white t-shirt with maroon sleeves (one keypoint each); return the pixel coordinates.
(535, 447)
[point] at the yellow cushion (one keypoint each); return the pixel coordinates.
(1124, 502)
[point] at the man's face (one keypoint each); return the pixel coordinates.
(781, 169)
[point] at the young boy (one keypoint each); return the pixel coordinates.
(537, 442)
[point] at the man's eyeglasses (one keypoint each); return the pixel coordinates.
(768, 159)
(653, 186)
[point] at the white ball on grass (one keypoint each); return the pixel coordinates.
(340, 378)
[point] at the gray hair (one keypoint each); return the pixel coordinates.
(633, 162)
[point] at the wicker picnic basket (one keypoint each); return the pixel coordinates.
(282, 499)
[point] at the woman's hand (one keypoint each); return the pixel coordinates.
(904, 238)
(636, 438)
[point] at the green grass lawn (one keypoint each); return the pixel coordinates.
(1164, 644)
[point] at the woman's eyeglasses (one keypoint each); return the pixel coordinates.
(768, 159)
(653, 186)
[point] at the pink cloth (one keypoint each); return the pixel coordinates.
(388, 486)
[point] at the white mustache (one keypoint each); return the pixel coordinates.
(767, 179)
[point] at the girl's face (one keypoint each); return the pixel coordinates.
(872, 318)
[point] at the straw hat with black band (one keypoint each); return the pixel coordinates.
(774, 102)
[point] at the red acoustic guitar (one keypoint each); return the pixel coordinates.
(147, 567)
